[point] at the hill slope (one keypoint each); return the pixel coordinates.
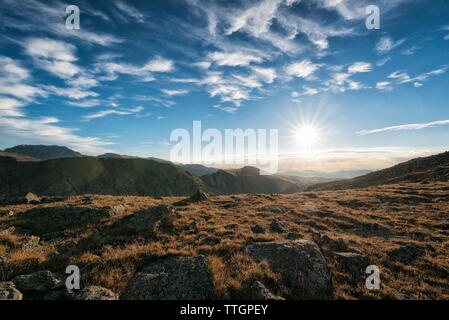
(424, 170)
(18, 157)
(248, 180)
(44, 152)
(75, 176)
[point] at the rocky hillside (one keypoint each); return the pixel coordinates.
(424, 170)
(44, 152)
(248, 180)
(74, 176)
(307, 245)
(18, 157)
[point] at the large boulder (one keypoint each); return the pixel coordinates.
(8, 291)
(301, 265)
(260, 292)
(95, 293)
(174, 278)
(154, 218)
(38, 281)
(352, 262)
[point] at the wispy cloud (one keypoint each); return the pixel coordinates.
(386, 44)
(412, 126)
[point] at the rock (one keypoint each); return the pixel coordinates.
(38, 281)
(300, 263)
(352, 262)
(278, 227)
(8, 291)
(153, 218)
(68, 215)
(173, 278)
(260, 292)
(6, 231)
(31, 244)
(95, 293)
(6, 213)
(333, 244)
(199, 196)
(3, 260)
(293, 236)
(60, 294)
(31, 198)
(116, 210)
(407, 254)
(259, 229)
(274, 209)
(232, 226)
(96, 235)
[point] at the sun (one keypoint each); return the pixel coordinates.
(307, 136)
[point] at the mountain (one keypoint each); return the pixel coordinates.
(18, 157)
(44, 152)
(115, 156)
(90, 175)
(342, 174)
(197, 169)
(423, 170)
(248, 180)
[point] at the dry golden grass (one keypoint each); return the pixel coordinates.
(370, 221)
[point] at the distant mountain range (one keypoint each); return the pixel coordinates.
(421, 170)
(44, 152)
(55, 170)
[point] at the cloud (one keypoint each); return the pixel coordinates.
(11, 71)
(266, 74)
(54, 56)
(412, 126)
(105, 113)
(130, 11)
(85, 104)
(175, 92)
(233, 59)
(45, 130)
(384, 86)
(386, 44)
(302, 69)
(383, 61)
(360, 67)
(159, 64)
(72, 93)
(10, 107)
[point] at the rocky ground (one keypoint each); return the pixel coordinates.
(308, 245)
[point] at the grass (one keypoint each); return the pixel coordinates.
(370, 221)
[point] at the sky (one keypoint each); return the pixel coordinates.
(137, 70)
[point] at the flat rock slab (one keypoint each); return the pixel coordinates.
(153, 217)
(301, 265)
(38, 281)
(174, 278)
(95, 293)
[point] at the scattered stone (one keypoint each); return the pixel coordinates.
(293, 236)
(96, 234)
(278, 227)
(259, 229)
(3, 260)
(38, 281)
(233, 226)
(95, 293)
(407, 254)
(401, 296)
(32, 244)
(6, 231)
(174, 278)
(6, 213)
(274, 209)
(352, 262)
(154, 218)
(260, 292)
(8, 291)
(300, 263)
(60, 294)
(199, 196)
(31, 198)
(333, 244)
(116, 210)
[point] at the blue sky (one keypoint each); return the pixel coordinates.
(137, 70)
